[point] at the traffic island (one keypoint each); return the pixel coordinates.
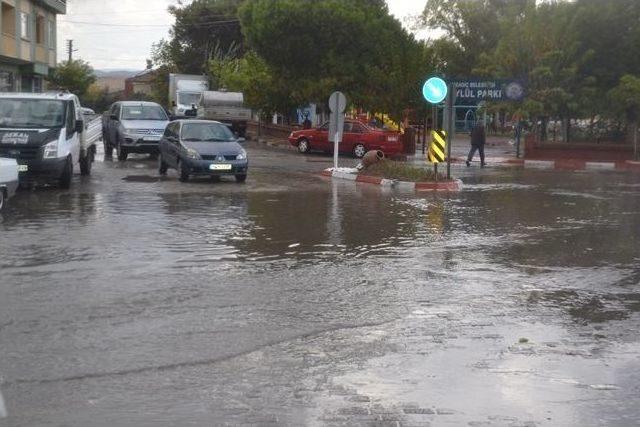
(393, 174)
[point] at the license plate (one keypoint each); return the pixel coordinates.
(393, 139)
(151, 138)
(220, 167)
(23, 168)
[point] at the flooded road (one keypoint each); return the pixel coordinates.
(131, 300)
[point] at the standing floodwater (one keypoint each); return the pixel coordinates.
(291, 300)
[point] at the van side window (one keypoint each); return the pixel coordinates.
(71, 119)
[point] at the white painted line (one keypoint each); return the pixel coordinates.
(609, 166)
(3, 408)
(539, 164)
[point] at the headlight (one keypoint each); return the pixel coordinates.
(129, 133)
(51, 150)
(242, 155)
(193, 154)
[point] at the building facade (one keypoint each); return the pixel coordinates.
(28, 43)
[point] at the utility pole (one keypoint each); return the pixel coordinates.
(70, 50)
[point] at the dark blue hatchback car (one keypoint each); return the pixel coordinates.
(202, 148)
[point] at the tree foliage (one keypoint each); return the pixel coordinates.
(318, 47)
(203, 30)
(75, 76)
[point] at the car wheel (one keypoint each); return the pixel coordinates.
(162, 166)
(1, 198)
(122, 153)
(241, 178)
(184, 174)
(359, 151)
(304, 146)
(65, 179)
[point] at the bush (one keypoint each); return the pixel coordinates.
(390, 169)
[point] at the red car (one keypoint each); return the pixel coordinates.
(357, 139)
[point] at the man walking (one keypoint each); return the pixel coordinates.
(478, 139)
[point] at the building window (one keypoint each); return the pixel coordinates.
(52, 34)
(40, 29)
(37, 84)
(8, 20)
(25, 26)
(6, 81)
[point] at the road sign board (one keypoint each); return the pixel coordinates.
(471, 92)
(337, 102)
(435, 90)
(437, 146)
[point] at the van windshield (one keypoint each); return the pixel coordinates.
(143, 112)
(31, 113)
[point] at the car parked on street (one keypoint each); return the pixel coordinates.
(133, 127)
(8, 179)
(357, 139)
(202, 148)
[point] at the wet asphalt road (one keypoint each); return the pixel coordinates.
(131, 300)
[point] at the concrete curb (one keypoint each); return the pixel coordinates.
(350, 175)
(577, 165)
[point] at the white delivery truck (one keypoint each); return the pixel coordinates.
(226, 107)
(48, 136)
(8, 179)
(185, 92)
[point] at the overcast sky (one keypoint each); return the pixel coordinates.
(119, 34)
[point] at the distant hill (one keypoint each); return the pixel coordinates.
(115, 73)
(114, 79)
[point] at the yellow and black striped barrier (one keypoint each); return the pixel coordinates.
(437, 147)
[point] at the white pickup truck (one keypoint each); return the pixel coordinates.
(8, 179)
(48, 136)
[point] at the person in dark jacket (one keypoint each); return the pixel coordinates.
(478, 139)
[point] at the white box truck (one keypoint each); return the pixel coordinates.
(185, 93)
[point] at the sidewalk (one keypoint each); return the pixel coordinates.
(498, 151)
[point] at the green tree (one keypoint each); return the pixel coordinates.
(313, 48)
(203, 30)
(625, 98)
(75, 76)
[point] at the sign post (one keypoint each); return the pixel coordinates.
(450, 125)
(337, 105)
(435, 90)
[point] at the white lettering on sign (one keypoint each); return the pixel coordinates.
(15, 138)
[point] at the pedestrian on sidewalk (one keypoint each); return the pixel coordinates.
(478, 139)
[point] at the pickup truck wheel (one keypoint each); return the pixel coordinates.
(86, 163)
(304, 146)
(122, 153)
(241, 178)
(64, 181)
(184, 174)
(359, 151)
(162, 166)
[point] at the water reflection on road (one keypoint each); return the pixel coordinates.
(292, 300)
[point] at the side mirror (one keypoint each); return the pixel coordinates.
(79, 126)
(114, 117)
(241, 140)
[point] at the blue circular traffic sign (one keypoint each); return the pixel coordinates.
(435, 90)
